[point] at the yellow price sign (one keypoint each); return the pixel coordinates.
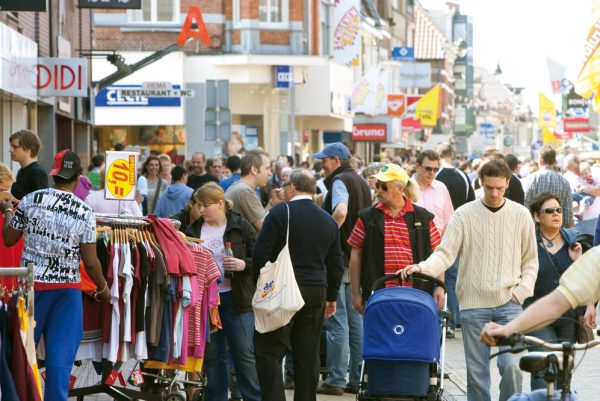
(120, 177)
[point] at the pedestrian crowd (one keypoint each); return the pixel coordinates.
(501, 241)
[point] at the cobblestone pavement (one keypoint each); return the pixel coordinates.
(586, 378)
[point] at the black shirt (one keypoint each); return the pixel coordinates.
(515, 192)
(458, 185)
(196, 181)
(29, 178)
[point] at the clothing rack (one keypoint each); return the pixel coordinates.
(19, 272)
(110, 219)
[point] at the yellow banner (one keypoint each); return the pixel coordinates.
(589, 76)
(428, 107)
(547, 113)
(547, 136)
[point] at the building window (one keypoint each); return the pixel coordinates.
(273, 11)
(156, 11)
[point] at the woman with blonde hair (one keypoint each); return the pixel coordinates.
(152, 170)
(166, 165)
(220, 228)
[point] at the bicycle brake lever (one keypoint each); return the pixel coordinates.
(514, 350)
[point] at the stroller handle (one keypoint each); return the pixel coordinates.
(380, 282)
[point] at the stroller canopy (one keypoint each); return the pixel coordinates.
(401, 324)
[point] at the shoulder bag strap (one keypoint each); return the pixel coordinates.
(287, 236)
(157, 193)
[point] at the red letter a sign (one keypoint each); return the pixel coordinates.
(194, 14)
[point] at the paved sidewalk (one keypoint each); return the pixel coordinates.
(586, 377)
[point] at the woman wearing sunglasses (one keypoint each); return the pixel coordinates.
(557, 250)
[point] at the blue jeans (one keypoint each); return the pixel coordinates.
(450, 280)
(561, 330)
(59, 317)
(238, 331)
(344, 340)
(477, 354)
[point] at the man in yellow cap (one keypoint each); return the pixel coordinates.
(390, 235)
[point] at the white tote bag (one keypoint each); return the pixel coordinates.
(277, 297)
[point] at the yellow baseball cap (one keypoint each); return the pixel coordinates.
(391, 172)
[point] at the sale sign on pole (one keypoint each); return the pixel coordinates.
(121, 175)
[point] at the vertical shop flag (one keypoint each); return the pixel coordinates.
(346, 32)
(428, 107)
(547, 112)
(589, 78)
(369, 95)
(557, 74)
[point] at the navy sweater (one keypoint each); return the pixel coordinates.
(314, 245)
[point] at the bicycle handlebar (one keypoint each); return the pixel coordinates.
(517, 340)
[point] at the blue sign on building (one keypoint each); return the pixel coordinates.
(284, 76)
(403, 53)
(112, 97)
(486, 129)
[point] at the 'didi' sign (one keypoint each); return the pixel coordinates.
(61, 76)
(369, 132)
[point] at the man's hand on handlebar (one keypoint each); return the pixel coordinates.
(408, 271)
(490, 331)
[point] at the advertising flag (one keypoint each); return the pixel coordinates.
(369, 95)
(547, 112)
(557, 73)
(428, 108)
(589, 75)
(346, 32)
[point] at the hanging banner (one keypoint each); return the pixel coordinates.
(547, 136)
(121, 175)
(589, 75)
(346, 32)
(558, 74)
(428, 108)
(369, 95)
(547, 112)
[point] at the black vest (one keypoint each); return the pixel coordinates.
(418, 223)
(359, 197)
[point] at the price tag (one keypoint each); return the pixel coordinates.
(121, 175)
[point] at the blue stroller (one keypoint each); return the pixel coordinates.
(402, 355)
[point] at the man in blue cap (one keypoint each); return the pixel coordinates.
(347, 194)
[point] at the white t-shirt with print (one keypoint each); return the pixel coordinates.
(54, 224)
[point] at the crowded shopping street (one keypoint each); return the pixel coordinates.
(270, 200)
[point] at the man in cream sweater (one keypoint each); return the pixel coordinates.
(497, 272)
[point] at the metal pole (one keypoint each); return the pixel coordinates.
(292, 126)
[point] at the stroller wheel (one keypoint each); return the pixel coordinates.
(175, 397)
(198, 395)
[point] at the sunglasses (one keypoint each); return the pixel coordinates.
(431, 169)
(552, 210)
(383, 185)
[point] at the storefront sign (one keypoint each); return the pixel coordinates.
(415, 75)
(577, 124)
(22, 5)
(62, 76)
(122, 4)
(403, 53)
(18, 57)
(194, 15)
(369, 132)
(121, 175)
(284, 76)
(396, 105)
(113, 96)
(487, 130)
